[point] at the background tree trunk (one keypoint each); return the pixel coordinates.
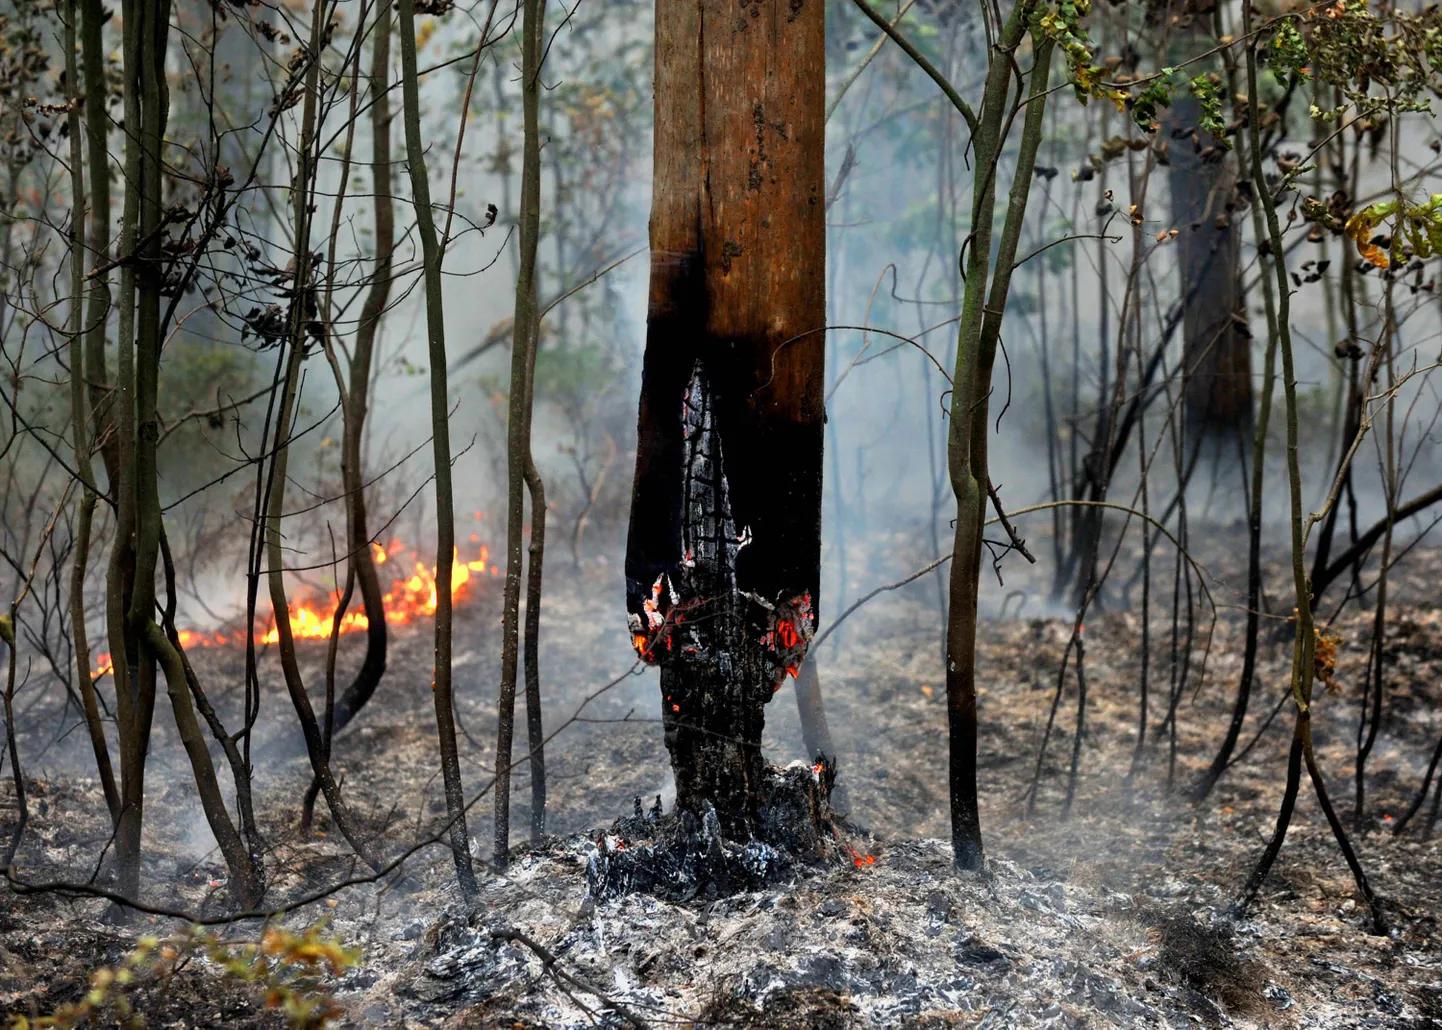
(441, 450)
(1216, 346)
(723, 556)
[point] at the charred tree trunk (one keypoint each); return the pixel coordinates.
(1216, 350)
(723, 556)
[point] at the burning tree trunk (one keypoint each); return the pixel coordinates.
(723, 556)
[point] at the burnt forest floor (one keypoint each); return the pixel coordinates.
(1109, 916)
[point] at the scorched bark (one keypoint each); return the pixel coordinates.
(723, 556)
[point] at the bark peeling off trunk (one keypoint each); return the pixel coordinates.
(723, 554)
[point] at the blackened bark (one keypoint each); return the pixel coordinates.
(723, 555)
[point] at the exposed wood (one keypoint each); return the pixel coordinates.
(723, 553)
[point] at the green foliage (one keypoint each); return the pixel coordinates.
(1208, 91)
(1155, 94)
(1062, 24)
(288, 971)
(1351, 47)
(1287, 54)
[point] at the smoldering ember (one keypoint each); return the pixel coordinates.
(720, 513)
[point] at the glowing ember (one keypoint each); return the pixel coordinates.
(313, 618)
(862, 860)
(645, 635)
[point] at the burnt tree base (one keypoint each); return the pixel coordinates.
(684, 856)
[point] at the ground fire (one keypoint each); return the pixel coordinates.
(313, 617)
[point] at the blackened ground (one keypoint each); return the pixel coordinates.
(1106, 918)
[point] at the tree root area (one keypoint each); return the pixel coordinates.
(684, 856)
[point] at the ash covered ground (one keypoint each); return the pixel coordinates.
(1112, 916)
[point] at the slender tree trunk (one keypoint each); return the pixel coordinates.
(80, 428)
(724, 547)
(522, 476)
(22, 803)
(354, 387)
(978, 335)
(303, 192)
(535, 728)
(1223, 756)
(533, 40)
(1304, 646)
(1371, 716)
(152, 644)
(134, 681)
(816, 731)
(246, 881)
(358, 543)
(97, 142)
(441, 441)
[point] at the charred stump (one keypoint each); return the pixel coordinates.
(687, 855)
(723, 554)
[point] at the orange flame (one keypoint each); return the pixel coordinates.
(313, 618)
(406, 599)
